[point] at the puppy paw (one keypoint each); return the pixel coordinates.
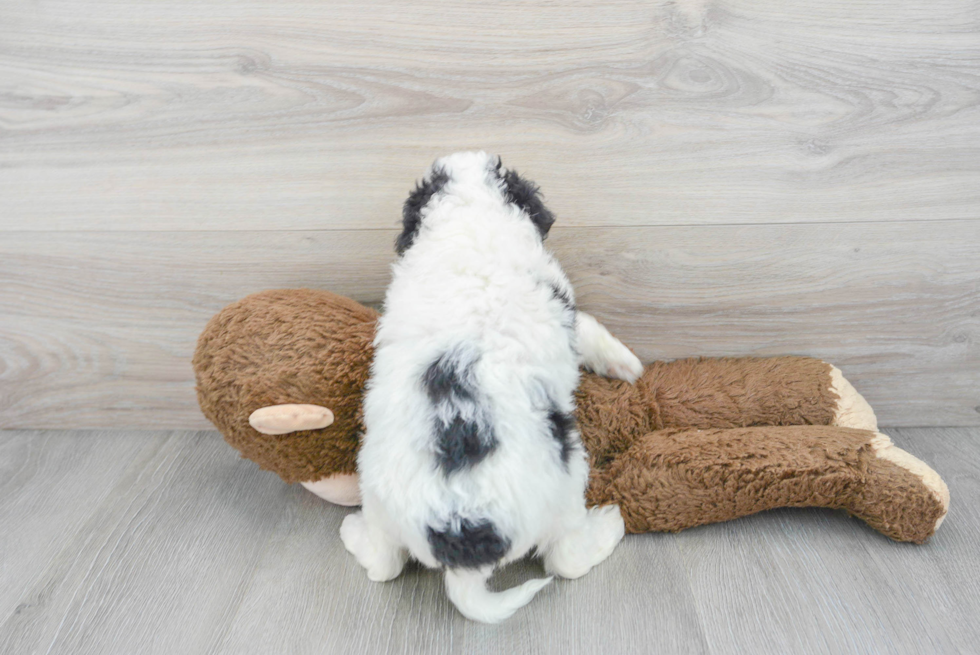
(353, 532)
(628, 367)
(603, 353)
(615, 360)
(383, 559)
(576, 553)
(608, 529)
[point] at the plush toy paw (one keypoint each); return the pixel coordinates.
(903, 497)
(852, 410)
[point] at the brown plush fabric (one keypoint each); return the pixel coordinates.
(288, 346)
(703, 393)
(674, 479)
(896, 503)
(695, 441)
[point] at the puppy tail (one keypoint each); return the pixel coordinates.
(467, 588)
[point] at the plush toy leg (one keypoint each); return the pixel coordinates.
(738, 392)
(721, 392)
(340, 489)
(890, 497)
(675, 479)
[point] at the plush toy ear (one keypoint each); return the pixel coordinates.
(283, 419)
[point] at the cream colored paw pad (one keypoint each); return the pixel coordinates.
(853, 411)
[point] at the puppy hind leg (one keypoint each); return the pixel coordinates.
(601, 352)
(375, 550)
(588, 541)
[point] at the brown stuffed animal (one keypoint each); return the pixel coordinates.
(694, 441)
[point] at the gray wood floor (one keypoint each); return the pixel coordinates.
(167, 542)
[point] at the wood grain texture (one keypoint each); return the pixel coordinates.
(176, 545)
(160, 565)
(50, 485)
(97, 328)
(863, 595)
(731, 177)
(312, 115)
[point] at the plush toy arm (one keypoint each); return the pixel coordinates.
(710, 393)
(739, 392)
(670, 480)
(602, 353)
(283, 419)
(722, 392)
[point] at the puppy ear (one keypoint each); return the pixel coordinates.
(525, 194)
(412, 210)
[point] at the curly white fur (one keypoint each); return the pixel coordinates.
(477, 289)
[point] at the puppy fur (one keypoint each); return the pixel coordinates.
(471, 456)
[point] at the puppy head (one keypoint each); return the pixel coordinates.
(472, 174)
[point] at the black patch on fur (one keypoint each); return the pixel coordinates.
(568, 316)
(448, 379)
(562, 430)
(471, 545)
(562, 296)
(461, 445)
(464, 436)
(412, 209)
(527, 195)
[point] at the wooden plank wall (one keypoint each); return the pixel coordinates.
(730, 178)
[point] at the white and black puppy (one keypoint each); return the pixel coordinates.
(470, 456)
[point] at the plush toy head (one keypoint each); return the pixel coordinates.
(245, 361)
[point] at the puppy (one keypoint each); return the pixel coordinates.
(471, 456)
